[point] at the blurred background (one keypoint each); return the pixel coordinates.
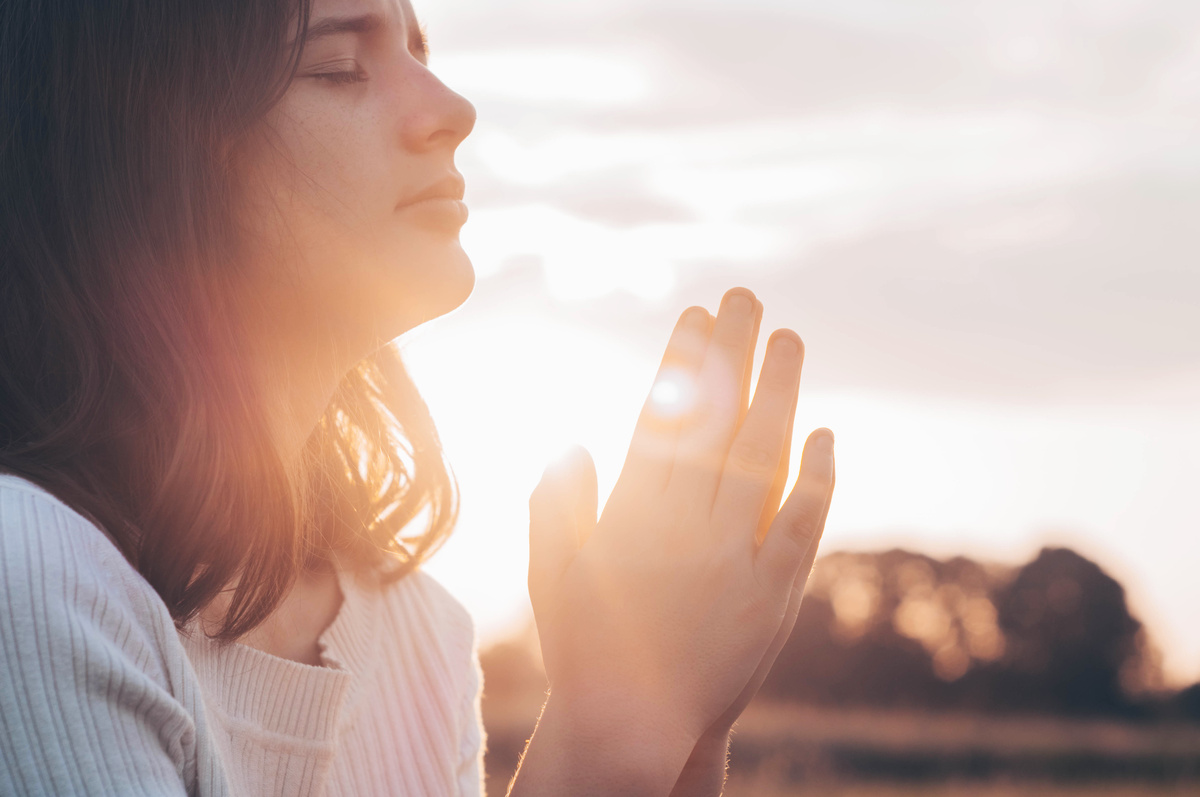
(983, 217)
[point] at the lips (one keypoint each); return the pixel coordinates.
(437, 208)
(449, 188)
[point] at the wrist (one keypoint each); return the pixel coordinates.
(610, 749)
(712, 746)
(704, 773)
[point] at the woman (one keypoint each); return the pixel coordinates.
(215, 217)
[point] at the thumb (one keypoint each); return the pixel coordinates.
(562, 514)
(584, 480)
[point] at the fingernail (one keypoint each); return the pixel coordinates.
(696, 318)
(825, 439)
(784, 346)
(740, 303)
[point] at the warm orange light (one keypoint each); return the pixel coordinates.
(674, 393)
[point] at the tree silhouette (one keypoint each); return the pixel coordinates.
(1069, 637)
(903, 629)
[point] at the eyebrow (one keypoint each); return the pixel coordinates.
(328, 26)
(366, 23)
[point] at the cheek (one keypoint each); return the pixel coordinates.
(334, 180)
(338, 182)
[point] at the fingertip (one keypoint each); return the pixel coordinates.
(816, 461)
(578, 458)
(822, 438)
(785, 334)
(695, 318)
(740, 291)
(558, 464)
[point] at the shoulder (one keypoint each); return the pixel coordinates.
(430, 620)
(427, 605)
(446, 608)
(40, 535)
(61, 574)
(450, 637)
(85, 644)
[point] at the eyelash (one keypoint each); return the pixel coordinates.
(424, 40)
(340, 78)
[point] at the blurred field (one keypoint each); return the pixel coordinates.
(909, 675)
(782, 750)
(765, 787)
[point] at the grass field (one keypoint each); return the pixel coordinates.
(739, 786)
(788, 751)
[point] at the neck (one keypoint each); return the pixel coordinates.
(297, 359)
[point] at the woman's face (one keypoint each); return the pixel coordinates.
(352, 202)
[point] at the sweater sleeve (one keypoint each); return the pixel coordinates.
(85, 704)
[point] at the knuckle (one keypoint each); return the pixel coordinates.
(731, 349)
(763, 581)
(782, 378)
(802, 525)
(755, 456)
(719, 406)
(816, 482)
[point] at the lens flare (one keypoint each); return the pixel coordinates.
(673, 394)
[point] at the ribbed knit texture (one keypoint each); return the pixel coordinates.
(99, 695)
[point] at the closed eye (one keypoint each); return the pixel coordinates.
(339, 72)
(340, 78)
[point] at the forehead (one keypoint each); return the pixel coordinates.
(395, 12)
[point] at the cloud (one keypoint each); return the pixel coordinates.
(983, 197)
(1030, 298)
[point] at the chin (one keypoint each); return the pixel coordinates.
(461, 279)
(443, 282)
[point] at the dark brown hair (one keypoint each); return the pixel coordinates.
(122, 386)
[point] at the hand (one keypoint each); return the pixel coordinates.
(669, 604)
(704, 772)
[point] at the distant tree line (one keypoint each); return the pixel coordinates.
(899, 629)
(902, 629)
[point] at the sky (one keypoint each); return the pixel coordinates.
(980, 215)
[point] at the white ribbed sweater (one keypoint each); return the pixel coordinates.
(99, 695)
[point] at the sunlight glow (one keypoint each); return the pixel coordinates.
(572, 77)
(674, 394)
(647, 157)
(583, 259)
(519, 391)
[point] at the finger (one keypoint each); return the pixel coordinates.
(775, 494)
(788, 624)
(648, 463)
(806, 567)
(703, 444)
(553, 524)
(795, 598)
(754, 458)
(782, 634)
(586, 496)
(792, 538)
(744, 403)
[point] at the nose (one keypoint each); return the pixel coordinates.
(440, 117)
